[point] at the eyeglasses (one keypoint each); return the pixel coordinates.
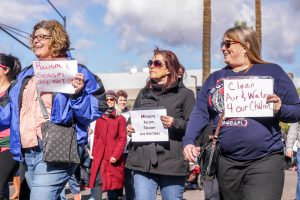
(40, 37)
(110, 99)
(155, 63)
(228, 43)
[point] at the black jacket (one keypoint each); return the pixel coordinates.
(165, 158)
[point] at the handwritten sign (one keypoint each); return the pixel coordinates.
(55, 76)
(246, 96)
(148, 126)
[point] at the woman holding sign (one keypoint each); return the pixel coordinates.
(251, 165)
(50, 42)
(162, 163)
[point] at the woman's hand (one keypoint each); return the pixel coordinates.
(289, 153)
(129, 130)
(167, 121)
(78, 82)
(190, 152)
(113, 160)
(273, 98)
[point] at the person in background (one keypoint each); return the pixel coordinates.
(162, 163)
(10, 67)
(109, 143)
(292, 137)
(122, 103)
(129, 186)
(251, 164)
(50, 42)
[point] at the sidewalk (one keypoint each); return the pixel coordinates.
(288, 190)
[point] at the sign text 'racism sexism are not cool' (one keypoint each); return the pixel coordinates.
(55, 76)
(246, 96)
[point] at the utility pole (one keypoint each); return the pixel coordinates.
(63, 17)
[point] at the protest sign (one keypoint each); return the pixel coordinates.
(246, 96)
(55, 76)
(148, 126)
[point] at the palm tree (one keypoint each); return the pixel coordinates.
(258, 20)
(206, 39)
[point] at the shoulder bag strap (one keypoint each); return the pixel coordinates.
(42, 105)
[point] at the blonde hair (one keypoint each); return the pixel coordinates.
(60, 41)
(247, 38)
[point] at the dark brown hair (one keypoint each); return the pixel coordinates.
(172, 63)
(60, 41)
(122, 93)
(13, 63)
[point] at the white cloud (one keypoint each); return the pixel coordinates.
(280, 32)
(17, 12)
(179, 23)
(79, 20)
(84, 44)
(172, 22)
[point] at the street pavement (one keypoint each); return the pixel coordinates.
(288, 190)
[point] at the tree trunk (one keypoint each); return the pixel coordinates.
(258, 21)
(206, 39)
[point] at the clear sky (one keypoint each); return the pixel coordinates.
(114, 35)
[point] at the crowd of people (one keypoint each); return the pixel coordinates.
(251, 161)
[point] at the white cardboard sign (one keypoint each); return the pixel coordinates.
(246, 96)
(55, 76)
(148, 125)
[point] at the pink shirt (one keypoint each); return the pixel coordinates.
(31, 116)
(4, 133)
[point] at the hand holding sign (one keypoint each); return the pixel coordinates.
(273, 98)
(167, 121)
(78, 82)
(129, 130)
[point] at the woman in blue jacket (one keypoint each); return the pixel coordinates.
(251, 165)
(49, 41)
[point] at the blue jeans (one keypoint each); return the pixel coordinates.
(45, 180)
(146, 184)
(298, 170)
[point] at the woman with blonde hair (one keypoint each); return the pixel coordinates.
(251, 165)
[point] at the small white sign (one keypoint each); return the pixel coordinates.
(246, 96)
(55, 76)
(148, 125)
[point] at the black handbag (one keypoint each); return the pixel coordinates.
(59, 142)
(209, 155)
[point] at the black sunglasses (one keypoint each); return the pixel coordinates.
(228, 43)
(156, 63)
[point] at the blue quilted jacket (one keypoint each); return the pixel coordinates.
(82, 108)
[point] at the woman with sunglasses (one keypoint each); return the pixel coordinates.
(49, 42)
(161, 164)
(109, 143)
(251, 165)
(10, 67)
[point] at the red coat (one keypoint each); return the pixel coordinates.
(109, 141)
